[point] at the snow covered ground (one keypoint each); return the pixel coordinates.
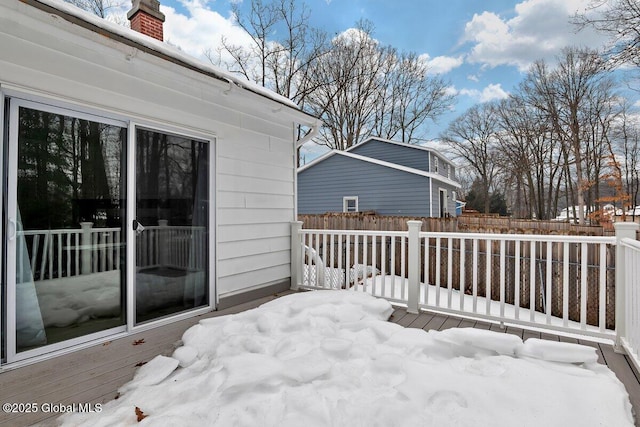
(330, 358)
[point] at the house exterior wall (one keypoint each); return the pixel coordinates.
(387, 191)
(393, 153)
(45, 56)
(450, 201)
(443, 168)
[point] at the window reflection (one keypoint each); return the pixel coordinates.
(172, 205)
(70, 242)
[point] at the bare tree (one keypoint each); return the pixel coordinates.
(626, 146)
(408, 98)
(362, 89)
(347, 81)
(620, 19)
(356, 86)
(531, 158)
(281, 49)
(105, 9)
(565, 95)
(472, 137)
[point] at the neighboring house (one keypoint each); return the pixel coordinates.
(141, 186)
(388, 177)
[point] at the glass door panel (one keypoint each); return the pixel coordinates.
(66, 219)
(171, 225)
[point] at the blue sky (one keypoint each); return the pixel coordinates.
(482, 47)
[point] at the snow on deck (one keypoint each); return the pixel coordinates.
(331, 358)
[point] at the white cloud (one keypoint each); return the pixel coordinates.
(441, 64)
(539, 30)
(201, 30)
(473, 78)
(489, 93)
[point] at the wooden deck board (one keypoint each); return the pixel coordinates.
(451, 322)
(407, 319)
(515, 331)
(495, 327)
(467, 323)
(436, 322)
(422, 320)
(620, 365)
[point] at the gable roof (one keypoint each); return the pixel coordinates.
(152, 46)
(413, 171)
(405, 145)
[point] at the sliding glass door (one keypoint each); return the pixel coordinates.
(97, 243)
(66, 239)
(171, 224)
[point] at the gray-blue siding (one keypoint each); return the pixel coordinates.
(393, 153)
(450, 201)
(384, 190)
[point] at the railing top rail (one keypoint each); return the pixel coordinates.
(355, 232)
(522, 237)
(106, 229)
(58, 231)
(634, 244)
(472, 236)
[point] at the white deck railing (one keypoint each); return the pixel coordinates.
(628, 306)
(54, 254)
(563, 283)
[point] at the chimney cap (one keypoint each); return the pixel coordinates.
(151, 7)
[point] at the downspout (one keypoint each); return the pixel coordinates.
(430, 189)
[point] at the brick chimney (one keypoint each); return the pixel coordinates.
(146, 18)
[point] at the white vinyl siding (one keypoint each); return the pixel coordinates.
(254, 156)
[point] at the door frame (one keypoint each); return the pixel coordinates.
(11, 146)
(442, 205)
(8, 140)
(131, 215)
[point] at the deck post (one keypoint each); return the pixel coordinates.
(623, 230)
(86, 247)
(414, 266)
(163, 242)
(296, 255)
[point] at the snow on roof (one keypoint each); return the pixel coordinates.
(164, 49)
(380, 163)
(406, 144)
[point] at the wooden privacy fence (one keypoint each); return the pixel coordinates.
(554, 281)
(484, 224)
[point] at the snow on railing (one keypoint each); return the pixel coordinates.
(564, 283)
(53, 254)
(628, 305)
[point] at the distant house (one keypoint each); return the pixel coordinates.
(388, 177)
(140, 186)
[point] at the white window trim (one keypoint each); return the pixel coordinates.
(345, 203)
(436, 164)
